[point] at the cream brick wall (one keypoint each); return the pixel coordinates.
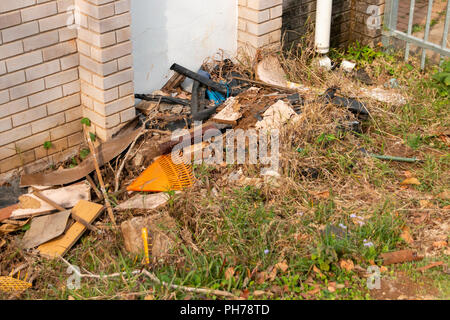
(104, 45)
(52, 75)
(259, 24)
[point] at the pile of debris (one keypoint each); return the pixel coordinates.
(140, 157)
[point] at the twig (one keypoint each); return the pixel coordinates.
(153, 278)
(100, 178)
(189, 289)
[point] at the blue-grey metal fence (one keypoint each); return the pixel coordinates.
(391, 30)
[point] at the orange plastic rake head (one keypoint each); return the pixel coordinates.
(164, 175)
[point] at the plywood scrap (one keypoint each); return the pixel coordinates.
(173, 82)
(147, 107)
(66, 197)
(276, 116)
(45, 228)
(230, 112)
(88, 211)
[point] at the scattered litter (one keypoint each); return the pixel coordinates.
(348, 66)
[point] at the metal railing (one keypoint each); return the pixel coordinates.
(391, 30)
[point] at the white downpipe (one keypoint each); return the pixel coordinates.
(323, 25)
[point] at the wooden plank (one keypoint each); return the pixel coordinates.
(88, 211)
(230, 113)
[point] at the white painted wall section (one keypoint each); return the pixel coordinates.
(182, 31)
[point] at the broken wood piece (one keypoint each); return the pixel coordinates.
(230, 112)
(44, 229)
(58, 247)
(267, 85)
(145, 201)
(431, 265)
(175, 81)
(40, 202)
(5, 213)
(399, 257)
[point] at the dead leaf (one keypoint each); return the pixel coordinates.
(245, 293)
(229, 273)
(317, 270)
(261, 277)
(445, 195)
(259, 293)
(332, 287)
(406, 235)
(273, 274)
(2, 242)
(383, 269)
(440, 244)
(426, 204)
(149, 297)
(12, 227)
(283, 266)
(408, 174)
(410, 181)
(347, 265)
